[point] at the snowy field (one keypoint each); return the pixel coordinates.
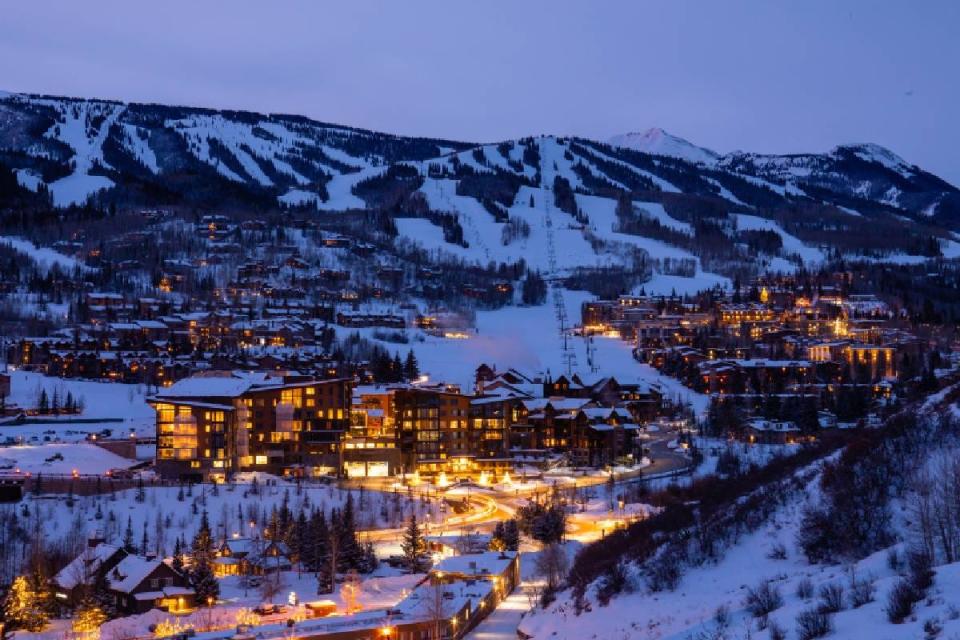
(60, 459)
(165, 516)
(121, 408)
(689, 611)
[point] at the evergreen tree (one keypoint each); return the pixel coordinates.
(322, 551)
(201, 564)
(411, 368)
(497, 541)
(23, 607)
(141, 494)
(396, 368)
(88, 619)
(350, 554)
(370, 561)
(511, 535)
(413, 544)
(177, 562)
(43, 403)
(128, 544)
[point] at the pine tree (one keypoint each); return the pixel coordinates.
(413, 544)
(322, 552)
(370, 561)
(396, 368)
(141, 494)
(177, 562)
(23, 607)
(43, 403)
(204, 583)
(88, 619)
(511, 535)
(411, 368)
(497, 542)
(145, 541)
(201, 564)
(349, 551)
(128, 544)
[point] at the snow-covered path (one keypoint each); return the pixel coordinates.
(502, 623)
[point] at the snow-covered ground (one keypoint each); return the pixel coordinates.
(792, 245)
(122, 407)
(231, 511)
(43, 257)
(60, 459)
(690, 610)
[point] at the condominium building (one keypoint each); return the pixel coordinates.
(214, 424)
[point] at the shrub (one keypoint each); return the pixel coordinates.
(664, 573)
(831, 598)
(920, 567)
(894, 562)
(763, 599)
(813, 624)
(861, 592)
(900, 601)
(721, 617)
(777, 632)
(613, 582)
(805, 589)
(932, 628)
(778, 552)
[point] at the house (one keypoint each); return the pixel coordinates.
(762, 431)
(72, 583)
(139, 584)
(135, 584)
(246, 556)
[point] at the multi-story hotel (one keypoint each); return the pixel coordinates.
(212, 425)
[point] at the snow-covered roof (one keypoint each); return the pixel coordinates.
(85, 565)
(199, 386)
(487, 563)
(132, 570)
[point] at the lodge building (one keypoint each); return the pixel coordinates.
(212, 425)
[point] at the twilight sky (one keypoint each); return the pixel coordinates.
(760, 76)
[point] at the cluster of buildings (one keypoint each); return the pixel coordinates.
(457, 593)
(217, 423)
(785, 341)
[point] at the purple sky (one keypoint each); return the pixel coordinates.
(760, 76)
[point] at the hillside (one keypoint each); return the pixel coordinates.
(653, 203)
(845, 535)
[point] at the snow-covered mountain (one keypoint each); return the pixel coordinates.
(486, 202)
(658, 142)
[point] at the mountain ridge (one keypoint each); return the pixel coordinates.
(480, 201)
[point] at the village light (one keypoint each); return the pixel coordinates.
(386, 631)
